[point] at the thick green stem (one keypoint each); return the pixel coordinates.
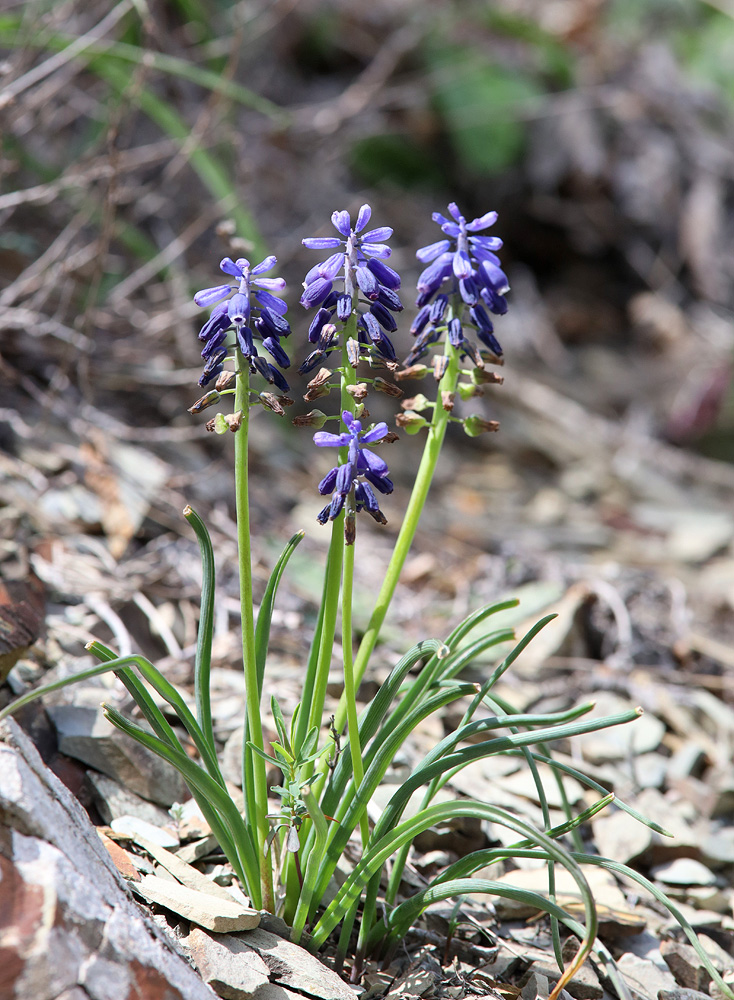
(256, 795)
(424, 477)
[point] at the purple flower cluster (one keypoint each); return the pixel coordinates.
(359, 265)
(467, 265)
(362, 470)
(262, 319)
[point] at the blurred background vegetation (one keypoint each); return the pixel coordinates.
(143, 140)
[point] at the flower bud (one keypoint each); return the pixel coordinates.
(218, 424)
(350, 528)
(317, 393)
(321, 377)
(315, 418)
(417, 403)
(480, 376)
(412, 371)
(475, 425)
(440, 364)
(387, 387)
(447, 400)
(208, 400)
(353, 352)
(224, 381)
(358, 391)
(490, 358)
(410, 421)
(468, 391)
(271, 402)
(382, 363)
(233, 420)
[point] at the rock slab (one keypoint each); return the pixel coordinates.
(68, 926)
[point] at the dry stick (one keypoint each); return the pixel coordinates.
(34, 276)
(38, 73)
(172, 252)
(130, 159)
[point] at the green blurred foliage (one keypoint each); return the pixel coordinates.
(395, 160)
(482, 106)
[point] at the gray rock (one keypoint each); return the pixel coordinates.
(718, 847)
(225, 962)
(644, 978)
(86, 735)
(536, 987)
(292, 966)
(214, 913)
(686, 966)
(684, 871)
(232, 758)
(113, 801)
(72, 929)
(682, 994)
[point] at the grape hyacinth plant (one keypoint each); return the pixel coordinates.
(332, 766)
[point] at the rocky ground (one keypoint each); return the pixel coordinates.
(606, 497)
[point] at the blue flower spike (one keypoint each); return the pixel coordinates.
(251, 309)
(363, 472)
(356, 266)
(466, 264)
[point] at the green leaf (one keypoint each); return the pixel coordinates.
(265, 614)
(395, 159)
(483, 106)
(281, 726)
(236, 842)
(205, 632)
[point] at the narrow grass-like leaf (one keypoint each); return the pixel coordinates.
(155, 718)
(237, 838)
(591, 783)
(620, 869)
(265, 614)
(169, 693)
(442, 758)
(383, 847)
(97, 48)
(205, 632)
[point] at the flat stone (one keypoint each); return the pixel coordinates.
(72, 930)
(113, 801)
(717, 848)
(644, 978)
(292, 966)
(536, 987)
(197, 849)
(209, 911)
(683, 871)
(134, 828)
(189, 876)
(682, 994)
(232, 757)
(686, 966)
(687, 762)
(619, 742)
(619, 837)
(191, 823)
(585, 984)
(225, 962)
(721, 960)
(85, 734)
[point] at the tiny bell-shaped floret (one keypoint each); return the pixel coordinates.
(411, 422)
(474, 425)
(314, 418)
